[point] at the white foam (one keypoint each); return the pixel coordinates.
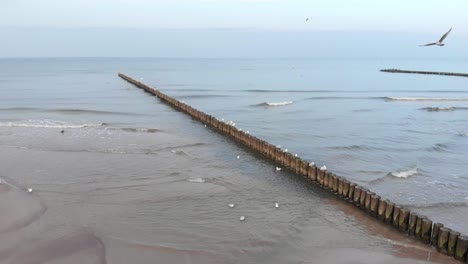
(426, 99)
(46, 124)
(405, 174)
(278, 103)
(197, 180)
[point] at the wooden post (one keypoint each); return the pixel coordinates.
(340, 186)
(452, 243)
(335, 183)
(362, 198)
(389, 213)
(442, 242)
(403, 220)
(412, 224)
(312, 173)
(426, 231)
(346, 189)
(382, 208)
(367, 204)
(357, 195)
(462, 248)
(435, 234)
(352, 188)
(396, 216)
(418, 230)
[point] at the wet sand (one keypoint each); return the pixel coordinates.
(168, 204)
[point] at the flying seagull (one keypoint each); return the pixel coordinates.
(440, 42)
(307, 19)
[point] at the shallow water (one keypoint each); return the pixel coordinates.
(130, 178)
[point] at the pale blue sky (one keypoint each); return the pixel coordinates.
(26, 22)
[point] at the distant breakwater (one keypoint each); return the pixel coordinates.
(412, 224)
(425, 72)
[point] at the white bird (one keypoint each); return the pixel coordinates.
(183, 102)
(278, 146)
(440, 42)
(323, 168)
(285, 150)
(311, 164)
(205, 125)
(276, 205)
(307, 19)
(233, 124)
(238, 157)
(242, 218)
(222, 119)
(240, 129)
(231, 205)
(29, 190)
(247, 132)
(295, 155)
(278, 168)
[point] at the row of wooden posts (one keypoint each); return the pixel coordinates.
(420, 227)
(425, 72)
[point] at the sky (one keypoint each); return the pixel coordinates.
(224, 28)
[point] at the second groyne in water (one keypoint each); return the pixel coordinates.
(426, 72)
(417, 226)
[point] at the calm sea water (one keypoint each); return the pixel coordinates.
(403, 136)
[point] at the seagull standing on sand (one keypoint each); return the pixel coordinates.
(278, 168)
(440, 42)
(29, 190)
(231, 205)
(242, 218)
(276, 205)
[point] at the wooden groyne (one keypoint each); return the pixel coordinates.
(414, 225)
(425, 72)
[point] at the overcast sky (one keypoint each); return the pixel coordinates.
(102, 27)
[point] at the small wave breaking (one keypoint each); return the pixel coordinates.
(405, 173)
(410, 99)
(197, 180)
(267, 104)
(443, 109)
(48, 124)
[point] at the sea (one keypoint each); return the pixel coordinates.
(93, 170)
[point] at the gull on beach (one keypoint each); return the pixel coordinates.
(276, 205)
(440, 42)
(242, 218)
(29, 190)
(278, 168)
(231, 205)
(323, 168)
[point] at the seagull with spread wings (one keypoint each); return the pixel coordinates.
(440, 42)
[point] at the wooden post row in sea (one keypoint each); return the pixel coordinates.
(417, 226)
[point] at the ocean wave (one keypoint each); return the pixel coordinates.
(196, 180)
(406, 173)
(275, 103)
(144, 130)
(443, 109)
(350, 147)
(197, 96)
(438, 148)
(64, 111)
(426, 99)
(48, 124)
(437, 205)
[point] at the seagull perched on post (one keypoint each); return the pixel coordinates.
(440, 42)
